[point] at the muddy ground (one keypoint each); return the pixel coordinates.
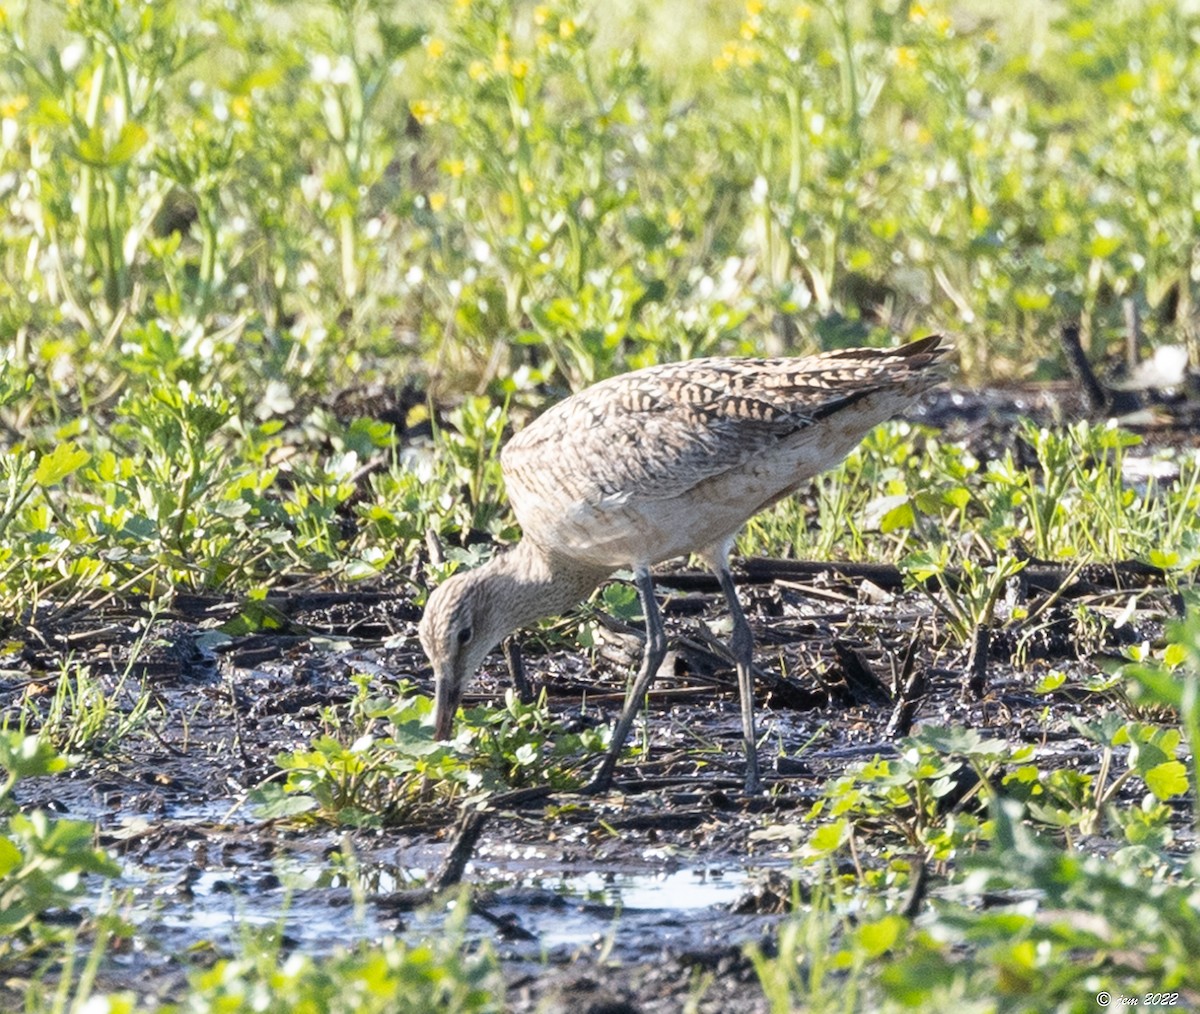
(635, 901)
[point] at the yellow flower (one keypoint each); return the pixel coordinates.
(437, 201)
(500, 62)
(802, 13)
(455, 168)
(724, 60)
(520, 68)
(905, 57)
(541, 14)
(754, 7)
(13, 106)
(566, 28)
(239, 105)
(748, 30)
(423, 112)
(747, 56)
(434, 48)
(917, 13)
(478, 70)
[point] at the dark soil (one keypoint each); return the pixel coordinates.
(597, 901)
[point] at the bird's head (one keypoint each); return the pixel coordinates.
(462, 623)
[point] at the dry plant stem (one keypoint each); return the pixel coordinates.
(516, 670)
(907, 701)
(470, 826)
(977, 663)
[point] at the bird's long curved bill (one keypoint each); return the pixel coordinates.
(445, 704)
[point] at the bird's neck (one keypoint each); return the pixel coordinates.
(527, 584)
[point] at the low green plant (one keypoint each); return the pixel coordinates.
(1174, 684)
(1077, 801)
(1075, 926)
(382, 976)
(372, 767)
(824, 958)
(963, 591)
(43, 860)
(86, 717)
(520, 744)
(1057, 926)
(387, 976)
(471, 443)
(891, 808)
(379, 765)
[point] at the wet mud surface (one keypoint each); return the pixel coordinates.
(637, 900)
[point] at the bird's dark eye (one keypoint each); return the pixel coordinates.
(464, 635)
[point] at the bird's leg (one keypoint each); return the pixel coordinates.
(742, 646)
(652, 659)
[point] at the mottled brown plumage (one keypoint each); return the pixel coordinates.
(655, 464)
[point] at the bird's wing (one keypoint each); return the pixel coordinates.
(658, 432)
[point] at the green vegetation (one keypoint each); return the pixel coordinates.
(42, 860)
(218, 215)
(1077, 943)
(967, 811)
(236, 234)
(379, 765)
(44, 863)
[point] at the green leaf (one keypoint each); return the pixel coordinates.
(1158, 686)
(29, 756)
(1174, 656)
(95, 152)
(1167, 779)
(645, 231)
(60, 462)
(957, 740)
(129, 142)
(828, 839)
(958, 497)
(1163, 559)
(877, 938)
(257, 617)
(899, 517)
(272, 802)
(10, 857)
(399, 39)
(1050, 682)
(1031, 300)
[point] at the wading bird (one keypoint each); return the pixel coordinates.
(656, 464)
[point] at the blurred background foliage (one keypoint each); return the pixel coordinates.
(227, 223)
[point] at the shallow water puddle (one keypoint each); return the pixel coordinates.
(628, 913)
(675, 891)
